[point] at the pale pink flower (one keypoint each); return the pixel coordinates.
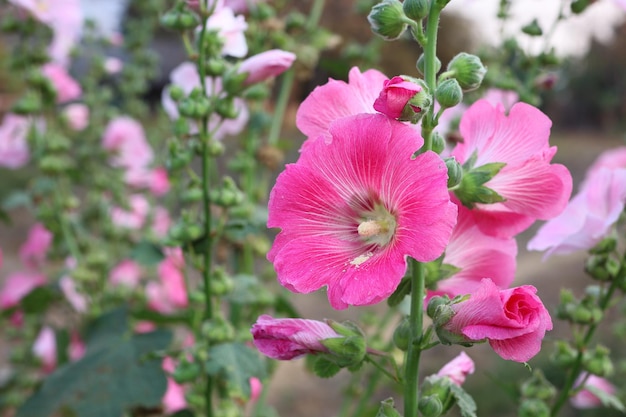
(76, 350)
(116, 39)
(77, 116)
(174, 397)
(585, 398)
(352, 210)
(170, 293)
(532, 187)
(133, 218)
(113, 65)
(230, 29)
(242, 6)
(76, 299)
(14, 151)
(161, 222)
(18, 285)
(256, 387)
(145, 327)
(156, 180)
(126, 138)
(457, 369)
(514, 321)
(337, 99)
(506, 98)
(66, 87)
(287, 339)
(127, 272)
(45, 349)
(621, 3)
(477, 255)
(266, 65)
(33, 252)
(611, 159)
(395, 95)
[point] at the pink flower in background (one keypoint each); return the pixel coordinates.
(76, 349)
(589, 216)
(621, 3)
(458, 368)
(478, 255)
(76, 299)
(13, 145)
(33, 252)
(127, 272)
(125, 137)
(533, 188)
(174, 398)
(287, 339)
(136, 217)
(266, 65)
(156, 180)
(256, 387)
(513, 320)
(170, 293)
(18, 285)
(161, 222)
(505, 98)
(113, 65)
(395, 95)
(77, 116)
(66, 87)
(352, 210)
(45, 349)
(611, 159)
(337, 99)
(586, 398)
(231, 30)
(241, 6)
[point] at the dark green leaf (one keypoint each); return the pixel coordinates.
(402, 291)
(147, 253)
(183, 413)
(235, 363)
(38, 300)
(325, 368)
(17, 199)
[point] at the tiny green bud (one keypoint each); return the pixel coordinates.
(215, 148)
(176, 19)
(387, 409)
(420, 64)
(596, 267)
(449, 93)
(221, 283)
(533, 29)
(455, 172)
(565, 355)
(192, 195)
(538, 387)
(430, 406)
(468, 70)
(176, 92)
(439, 143)
(29, 103)
(402, 335)
(194, 107)
(579, 6)
(416, 9)
(215, 67)
(226, 108)
(55, 164)
(605, 246)
(387, 19)
(533, 408)
(58, 143)
(434, 304)
(598, 362)
(218, 330)
(186, 371)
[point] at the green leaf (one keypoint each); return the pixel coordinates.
(147, 253)
(113, 376)
(38, 300)
(4, 217)
(464, 401)
(402, 291)
(325, 368)
(607, 399)
(17, 199)
(235, 363)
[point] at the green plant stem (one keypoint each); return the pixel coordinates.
(315, 14)
(416, 316)
(430, 72)
(281, 106)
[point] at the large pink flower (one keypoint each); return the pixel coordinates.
(14, 151)
(125, 137)
(351, 211)
(513, 320)
(337, 99)
(531, 186)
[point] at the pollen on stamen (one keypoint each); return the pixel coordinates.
(361, 259)
(369, 228)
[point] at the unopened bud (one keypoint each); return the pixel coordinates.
(387, 409)
(218, 330)
(416, 9)
(565, 355)
(402, 335)
(538, 387)
(226, 108)
(176, 92)
(387, 19)
(605, 246)
(533, 408)
(598, 362)
(468, 70)
(439, 143)
(455, 172)
(430, 406)
(449, 93)
(186, 371)
(214, 67)
(176, 19)
(29, 103)
(420, 64)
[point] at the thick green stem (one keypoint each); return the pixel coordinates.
(416, 316)
(430, 71)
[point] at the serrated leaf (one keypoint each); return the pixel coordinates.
(147, 253)
(404, 289)
(325, 368)
(607, 399)
(113, 376)
(464, 401)
(235, 363)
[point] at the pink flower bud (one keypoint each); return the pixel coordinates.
(174, 398)
(45, 348)
(127, 272)
(458, 368)
(265, 65)
(255, 389)
(113, 65)
(77, 116)
(76, 299)
(66, 87)
(33, 251)
(585, 397)
(395, 96)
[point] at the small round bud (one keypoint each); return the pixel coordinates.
(186, 371)
(192, 195)
(533, 408)
(387, 19)
(176, 92)
(468, 70)
(598, 362)
(430, 406)
(215, 67)
(455, 172)
(439, 143)
(218, 330)
(565, 355)
(420, 64)
(215, 148)
(434, 304)
(29, 103)
(416, 9)
(55, 164)
(402, 335)
(226, 108)
(449, 93)
(176, 19)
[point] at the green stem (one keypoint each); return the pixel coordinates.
(430, 71)
(416, 316)
(281, 106)
(315, 14)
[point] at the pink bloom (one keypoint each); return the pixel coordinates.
(352, 210)
(266, 65)
(127, 272)
(477, 255)
(45, 348)
(76, 349)
(66, 87)
(113, 65)
(612, 159)
(18, 285)
(77, 116)
(621, 3)
(458, 368)
(506, 98)
(588, 218)
(76, 299)
(395, 95)
(174, 398)
(513, 320)
(161, 222)
(126, 138)
(33, 251)
(242, 6)
(256, 387)
(13, 145)
(136, 217)
(231, 30)
(287, 339)
(585, 398)
(156, 180)
(337, 99)
(170, 293)
(145, 327)
(532, 187)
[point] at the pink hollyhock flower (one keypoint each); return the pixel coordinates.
(241, 6)
(45, 349)
(610, 159)
(161, 222)
(513, 320)
(230, 29)
(352, 210)
(531, 186)
(33, 251)
(588, 218)
(66, 87)
(127, 272)
(187, 78)
(77, 116)
(113, 65)
(477, 255)
(287, 339)
(136, 217)
(457, 369)
(156, 180)
(76, 350)
(18, 285)
(256, 387)
(126, 138)
(337, 99)
(174, 398)
(76, 299)
(13, 145)
(585, 398)
(266, 65)
(395, 95)
(506, 98)
(170, 293)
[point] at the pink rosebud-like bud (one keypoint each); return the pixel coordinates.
(265, 65)
(395, 96)
(585, 398)
(45, 348)
(287, 339)
(255, 389)
(77, 116)
(458, 368)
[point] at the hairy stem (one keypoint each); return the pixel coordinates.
(416, 316)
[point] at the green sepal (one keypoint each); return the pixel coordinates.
(387, 409)
(403, 289)
(325, 368)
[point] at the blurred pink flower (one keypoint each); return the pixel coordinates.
(231, 30)
(505, 98)
(77, 116)
(18, 285)
(514, 321)
(458, 368)
(611, 159)
(287, 339)
(170, 293)
(256, 387)
(242, 6)
(66, 87)
(14, 151)
(113, 65)
(76, 299)
(161, 222)
(174, 398)
(45, 349)
(125, 137)
(127, 272)
(136, 217)
(76, 349)
(395, 95)
(33, 252)
(585, 398)
(266, 65)
(351, 211)
(156, 180)
(532, 187)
